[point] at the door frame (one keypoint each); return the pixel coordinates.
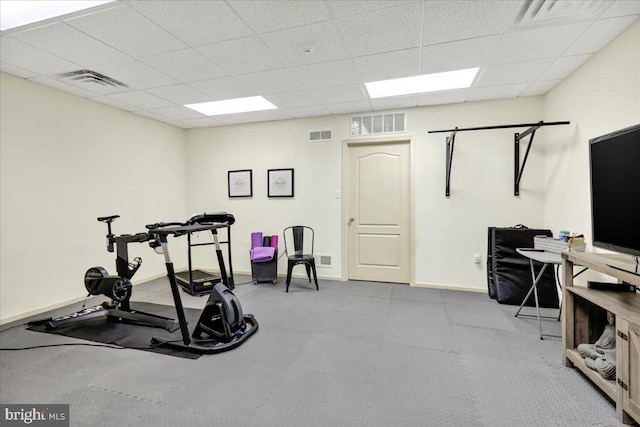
(368, 141)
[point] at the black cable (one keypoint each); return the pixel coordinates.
(113, 346)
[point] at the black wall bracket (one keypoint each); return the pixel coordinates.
(518, 168)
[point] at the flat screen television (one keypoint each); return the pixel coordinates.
(615, 190)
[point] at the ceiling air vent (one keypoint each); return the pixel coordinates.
(89, 76)
(536, 13)
(378, 123)
(320, 135)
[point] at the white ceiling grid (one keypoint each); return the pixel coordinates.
(309, 58)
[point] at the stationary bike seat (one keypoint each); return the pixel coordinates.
(108, 218)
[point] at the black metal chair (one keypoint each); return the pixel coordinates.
(300, 238)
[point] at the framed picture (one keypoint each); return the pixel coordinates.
(240, 183)
(280, 182)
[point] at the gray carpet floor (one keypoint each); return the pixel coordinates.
(351, 354)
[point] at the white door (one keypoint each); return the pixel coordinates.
(378, 212)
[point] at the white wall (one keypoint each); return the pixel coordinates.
(64, 162)
(601, 97)
(448, 230)
(261, 146)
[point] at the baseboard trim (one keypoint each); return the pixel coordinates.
(37, 311)
(449, 287)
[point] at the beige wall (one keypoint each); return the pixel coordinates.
(64, 162)
(448, 231)
(601, 97)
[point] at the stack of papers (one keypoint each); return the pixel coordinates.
(576, 244)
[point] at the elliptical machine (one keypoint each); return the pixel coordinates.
(118, 288)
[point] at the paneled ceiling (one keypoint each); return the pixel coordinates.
(309, 58)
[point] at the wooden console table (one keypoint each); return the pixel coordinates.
(585, 316)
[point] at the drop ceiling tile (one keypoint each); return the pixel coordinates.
(444, 97)
(341, 8)
(311, 111)
(16, 71)
(203, 122)
(563, 67)
(125, 29)
(497, 92)
(322, 39)
(255, 116)
(446, 21)
(350, 107)
(195, 22)
(223, 88)
(135, 74)
(141, 100)
(160, 118)
(107, 100)
(68, 43)
(389, 65)
(326, 74)
(538, 43)
(61, 85)
(288, 100)
(18, 54)
(622, 8)
(339, 94)
(600, 34)
(186, 65)
(382, 30)
(265, 16)
(394, 103)
(504, 74)
(540, 88)
(177, 113)
(180, 94)
(457, 55)
(273, 81)
(242, 56)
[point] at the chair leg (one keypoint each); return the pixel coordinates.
(289, 269)
(308, 268)
(315, 275)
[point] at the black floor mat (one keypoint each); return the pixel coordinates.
(109, 331)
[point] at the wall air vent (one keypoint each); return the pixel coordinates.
(538, 13)
(378, 123)
(89, 76)
(322, 260)
(320, 135)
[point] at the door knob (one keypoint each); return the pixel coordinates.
(351, 220)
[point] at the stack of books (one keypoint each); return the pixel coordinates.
(549, 244)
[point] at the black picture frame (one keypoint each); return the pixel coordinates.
(240, 183)
(280, 182)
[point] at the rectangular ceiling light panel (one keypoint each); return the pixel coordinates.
(18, 13)
(231, 106)
(420, 84)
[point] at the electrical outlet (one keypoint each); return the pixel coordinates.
(477, 259)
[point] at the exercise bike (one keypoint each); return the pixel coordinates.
(222, 324)
(118, 288)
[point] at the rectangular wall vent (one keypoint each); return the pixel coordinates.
(320, 135)
(378, 123)
(322, 260)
